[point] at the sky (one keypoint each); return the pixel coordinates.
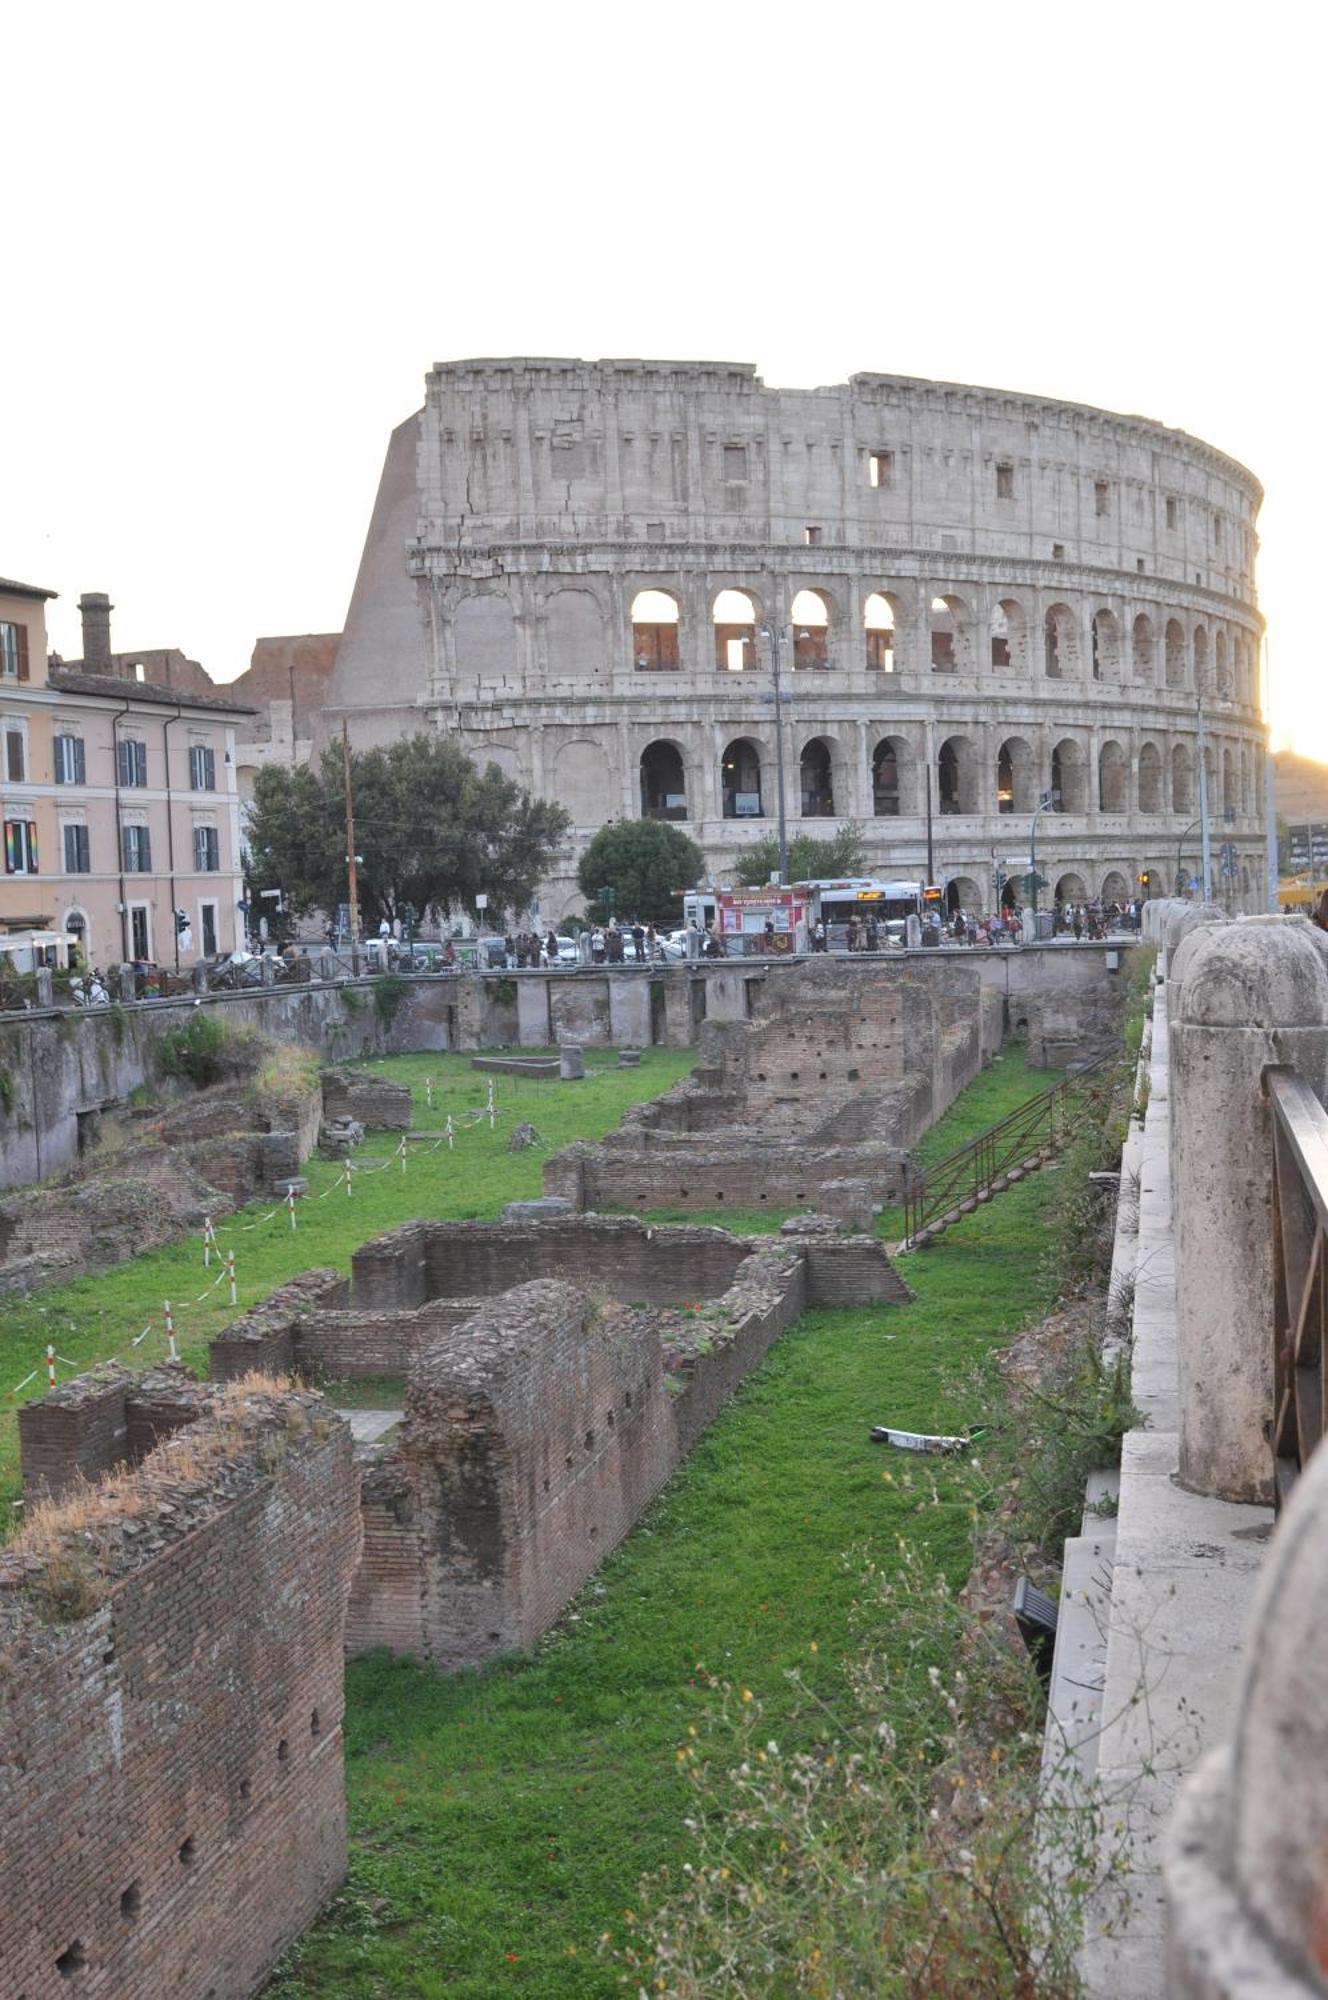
(238, 237)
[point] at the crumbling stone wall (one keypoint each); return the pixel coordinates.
(265, 1336)
(744, 1170)
(172, 1806)
(377, 1103)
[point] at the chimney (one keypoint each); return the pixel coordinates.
(95, 608)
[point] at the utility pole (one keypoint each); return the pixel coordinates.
(353, 887)
(771, 632)
(931, 858)
(1204, 828)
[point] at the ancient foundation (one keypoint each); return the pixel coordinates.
(172, 1806)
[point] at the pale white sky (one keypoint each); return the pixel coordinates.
(236, 239)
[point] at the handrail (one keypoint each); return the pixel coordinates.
(1300, 1271)
(966, 1176)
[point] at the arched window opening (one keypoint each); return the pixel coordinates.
(1143, 648)
(1201, 660)
(1112, 789)
(1067, 776)
(1222, 671)
(654, 631)
(1014, 777)
(734, 620)
(1150, 779)
(1182, 780)
(885, 781)
(663, 782)
(740, 780)
(954, 776)
(1071, 889)
(811, 630)
(1115, 887)
(1009, 637)
(949, 634)
(816, 770)
(1060, 643)
(1174, 641)
(879, 621)
(962, 893)
(76, 923)
(1106, 646)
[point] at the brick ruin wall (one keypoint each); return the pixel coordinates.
(377, 1102)
(699, 1173)
(172, 1803)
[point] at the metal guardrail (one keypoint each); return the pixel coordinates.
(1300, 1272)
(995, 1159)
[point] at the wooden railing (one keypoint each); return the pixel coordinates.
(1016, 1145)
(1300, 1276)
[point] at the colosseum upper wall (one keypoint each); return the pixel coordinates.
(581, 569)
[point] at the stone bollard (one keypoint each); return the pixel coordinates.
(1184, 919)
(1243, 1862)
(45, 986)
(125, 982)
(1249, 995)
(912, 932)
(199, 975)
(583, 948)
(693, 945)
(571, 1062)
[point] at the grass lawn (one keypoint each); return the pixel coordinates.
(90, 1319)
(501, 1820)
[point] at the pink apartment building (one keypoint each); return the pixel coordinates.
(121, 815)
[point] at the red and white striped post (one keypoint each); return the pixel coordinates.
(401, 1149)
(428, 1091)
(230, 1273)
(50, 1367)
(350, 1176)
(290, 1205)
(207, 1241)
(451, 1134)
(492, 1111)
(170, 1332)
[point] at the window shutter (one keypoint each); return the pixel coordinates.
(32, 847)
(210, 770)
(11, 843)
(80, 761)
(22, 632)
(140, 763)
(122, 759)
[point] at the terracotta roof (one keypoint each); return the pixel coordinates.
(116, 688)
(8, 588)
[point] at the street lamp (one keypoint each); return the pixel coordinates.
(771, 632)
(1049, 802)
(1179, 844)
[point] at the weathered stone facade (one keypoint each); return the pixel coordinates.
(172, 1806)
(998, 592)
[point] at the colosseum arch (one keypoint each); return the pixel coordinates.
(1201, 682)
(1142, 647)
(1221, 667)
(1071, 888)
(574, 635)
(1174, 648)
(740, 780)
(816, 773)
(881, 617)
(1115, 888)
(894, 778)
(1060, 643)
(1113, 790)
(1069, 776)
(1150, 779)
(663, 781)
(733, 615)
(1106, 646)
(484, 636)
(956, 776)
(962, 893)
(655, 628)
(810, 616)
(1182, 779)
(1015, 787)
(951, 625)
(579, 769)
(1009, 637)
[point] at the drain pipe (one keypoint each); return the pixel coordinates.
(170, 823)
(116, 720)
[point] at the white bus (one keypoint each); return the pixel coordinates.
(865, 897)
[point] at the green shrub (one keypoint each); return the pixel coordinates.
(197, 1052)
(388, 994)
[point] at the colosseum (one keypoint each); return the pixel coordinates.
(594, 573)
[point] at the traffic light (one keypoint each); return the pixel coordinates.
(181, 922)
(1145, 879)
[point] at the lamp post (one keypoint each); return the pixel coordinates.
(1179, 844)
(771, 632)
(1049, 802)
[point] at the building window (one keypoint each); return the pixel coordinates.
(20, 847)
(133, 761)
(140, 940)
(207, 923)
(207, 850)
(202, 768)
(1005, 482)
(735, 463)
(655, 631)
(1173, 512)
(13, 651)
(71, 764)
(880, 468)
(811, 537)
(77, 858)
(1058, 551)
(16, 753)
(136, 849)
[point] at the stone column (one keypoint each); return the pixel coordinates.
(1250, 994)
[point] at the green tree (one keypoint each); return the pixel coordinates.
(431, 829)
(647, 863)
(809, 859)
